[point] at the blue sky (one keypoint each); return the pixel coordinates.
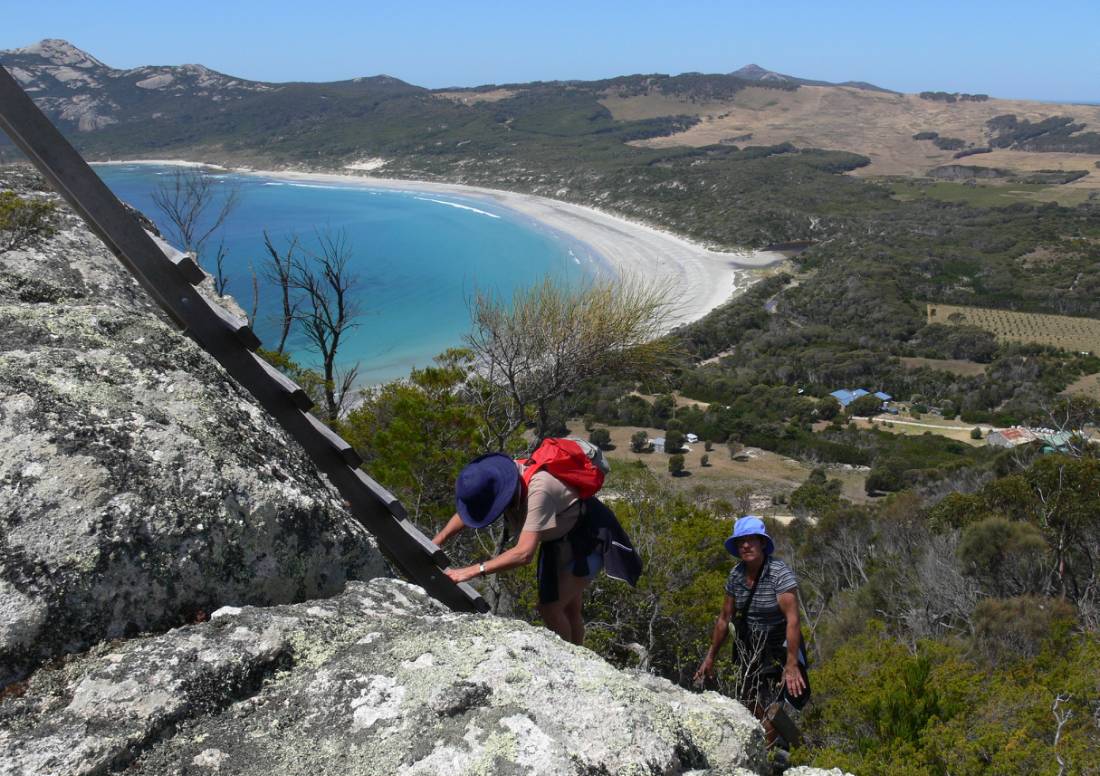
(1005, 48)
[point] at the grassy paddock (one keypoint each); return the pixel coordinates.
(953, 365)
(1089, 386)
(1060, 331)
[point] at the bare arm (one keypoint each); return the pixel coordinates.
(717, 638)
(453, 526)
(520, 555)
(788, 604)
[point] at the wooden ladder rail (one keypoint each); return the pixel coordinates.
(170, 278)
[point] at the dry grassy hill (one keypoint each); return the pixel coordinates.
(879, 125)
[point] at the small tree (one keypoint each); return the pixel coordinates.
(639, 442)
(600, 437)
(328, 311)
(975, 433)
(551, 337)
(865, 406)
(676, 465)
(23, 221)
(279, 270)
(708, 445)
(196, 205)
(735, 448)
(828, 408)
(705, 460)
(674, 440)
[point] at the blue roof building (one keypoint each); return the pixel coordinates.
(843, 396)
(846, 397)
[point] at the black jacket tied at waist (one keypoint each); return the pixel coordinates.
(597, 529)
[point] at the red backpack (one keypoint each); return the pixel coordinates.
(577, 463)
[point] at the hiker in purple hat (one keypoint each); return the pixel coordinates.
(762, 605)
(539, 510)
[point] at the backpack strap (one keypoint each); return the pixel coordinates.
(741, 617)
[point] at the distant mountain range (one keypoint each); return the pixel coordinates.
(83, 94)
(531, 136)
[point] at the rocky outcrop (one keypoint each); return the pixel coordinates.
(139, 485)
(379, 680)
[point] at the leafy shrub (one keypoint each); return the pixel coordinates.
(600, 437)
(25, 221)
(1007, 557)
(1007, 629)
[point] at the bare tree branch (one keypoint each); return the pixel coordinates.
(196, 205)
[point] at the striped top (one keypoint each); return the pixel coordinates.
(764, 616)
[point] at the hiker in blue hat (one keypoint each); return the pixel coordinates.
(762, 605)
(542, 512)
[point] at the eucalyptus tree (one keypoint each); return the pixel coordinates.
(549, 338)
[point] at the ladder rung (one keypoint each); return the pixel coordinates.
(342, 449)
(294, 392)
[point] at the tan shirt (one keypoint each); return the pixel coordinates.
(551, 508)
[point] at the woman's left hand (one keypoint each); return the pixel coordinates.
(792, 678)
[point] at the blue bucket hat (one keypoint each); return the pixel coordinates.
(749, 525)
(485, 488)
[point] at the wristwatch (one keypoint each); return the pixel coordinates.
(481, 569)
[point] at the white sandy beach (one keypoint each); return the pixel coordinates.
(698, 278)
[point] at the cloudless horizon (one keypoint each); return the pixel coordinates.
(1006, 49)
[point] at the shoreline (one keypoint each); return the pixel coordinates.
(697, 278)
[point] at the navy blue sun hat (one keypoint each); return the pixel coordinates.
(749, 525)
(485, 488)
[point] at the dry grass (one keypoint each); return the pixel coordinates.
(954, 366)
(877, 124)
(1089, 386)
(766, 473)
(907, 426)
(1060, 331)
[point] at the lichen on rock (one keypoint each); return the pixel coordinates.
(378, 680)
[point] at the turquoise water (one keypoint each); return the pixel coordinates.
(418, 257)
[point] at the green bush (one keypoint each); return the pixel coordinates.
(1007, 629)
(600, 437)
(24, 221)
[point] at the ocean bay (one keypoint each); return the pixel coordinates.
(418, 257)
